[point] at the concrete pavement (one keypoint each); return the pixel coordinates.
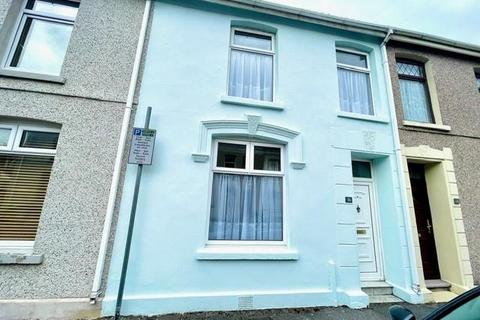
(373, 312)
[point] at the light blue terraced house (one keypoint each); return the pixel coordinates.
(276, 178)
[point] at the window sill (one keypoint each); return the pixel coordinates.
(251, 103)
(433, 126)
(14, 258)
(238, 252)
(358, 116)
(32, 76)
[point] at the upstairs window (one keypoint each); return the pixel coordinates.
(354, 82)
(247, 192)
(414, 91)
(477, 76)
(26, 159)
(42, 36)
(251, 65)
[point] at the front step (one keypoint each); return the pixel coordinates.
(437, 285)
(379, 292)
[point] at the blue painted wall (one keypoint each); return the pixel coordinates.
(185, 76)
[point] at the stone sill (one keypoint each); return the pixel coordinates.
(13, 258)
(32, 76)
(237, 252)
(365, 117)
(433, 126)
(251, 103)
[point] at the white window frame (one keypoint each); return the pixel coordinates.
(366, 70)
(23, 246)
(11, 138)
(20, 25)
(249, 164)
(271, 53)
(18, 139)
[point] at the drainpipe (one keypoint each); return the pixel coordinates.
(97, 281)
(399, 159)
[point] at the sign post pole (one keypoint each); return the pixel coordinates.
(140, 163)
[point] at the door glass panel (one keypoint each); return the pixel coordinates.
(361, 169)
(231, 155)
(267, 158)
(4, 136)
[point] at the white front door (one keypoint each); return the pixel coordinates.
(368, 249)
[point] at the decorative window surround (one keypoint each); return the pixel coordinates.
(251, 103)
(252, 127)
(433, 126)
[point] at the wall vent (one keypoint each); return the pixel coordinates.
(245, 303)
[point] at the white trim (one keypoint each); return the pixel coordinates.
(426, 125)
(252, 127)
(16, 247)
(366, 70)
(377, 242)
(361, 116)
(249, 163)
(21, 128)
(253, 252)
(11, 138)
(271, 53)
(251, 102)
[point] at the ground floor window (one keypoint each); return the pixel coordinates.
(247, 192)
(26, 159)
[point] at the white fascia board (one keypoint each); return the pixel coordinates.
(306, 16)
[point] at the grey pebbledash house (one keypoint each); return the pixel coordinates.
(65, 69)
(436, 88)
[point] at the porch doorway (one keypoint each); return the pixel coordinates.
(423, 217)
(366, 216)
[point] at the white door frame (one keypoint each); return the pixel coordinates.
(377, 243)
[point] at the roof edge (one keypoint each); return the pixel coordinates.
(377, 30)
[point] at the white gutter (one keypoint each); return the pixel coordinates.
(97, 281)
(400, 170)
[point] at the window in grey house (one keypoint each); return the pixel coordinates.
(251, 65)
(477, 76)
(354, 82)
(25, 168)
(5, 136)
(42, 36)
(414, 91)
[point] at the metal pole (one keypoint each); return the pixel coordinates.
(123, 275)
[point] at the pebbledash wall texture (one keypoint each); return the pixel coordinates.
(89, 108)
(459, 104)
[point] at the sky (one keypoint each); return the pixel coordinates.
(453, 19)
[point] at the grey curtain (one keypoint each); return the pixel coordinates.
(415, 101)
(246, 207)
